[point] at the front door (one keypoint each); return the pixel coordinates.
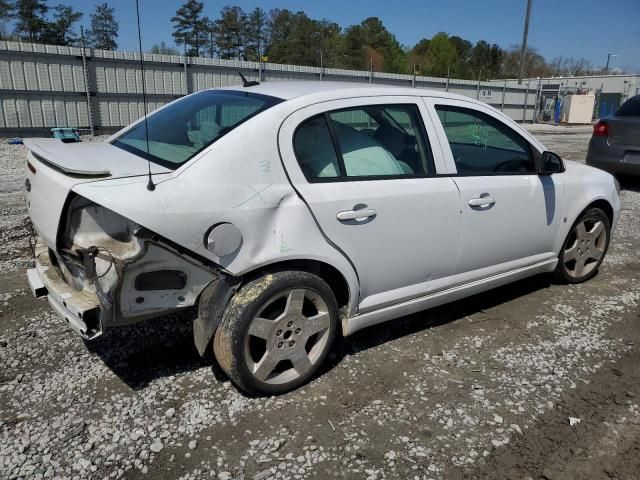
(366, 169)
(510, 216)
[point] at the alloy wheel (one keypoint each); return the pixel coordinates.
(288, 336)
(585, 247)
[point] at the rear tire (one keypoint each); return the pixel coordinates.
(585, 247)
(276, 332)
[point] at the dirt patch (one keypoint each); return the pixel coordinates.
(593, 431)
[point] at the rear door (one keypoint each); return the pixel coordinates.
(366, 168)
(510, 216)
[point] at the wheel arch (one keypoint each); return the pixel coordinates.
(327, 272)
(603, 205)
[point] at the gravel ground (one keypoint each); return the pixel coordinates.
(483, 388)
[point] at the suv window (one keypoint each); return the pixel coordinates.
(373, 141)
(482, 145)
(630, 108)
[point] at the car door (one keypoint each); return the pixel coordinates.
(367, 170)
(510, 216)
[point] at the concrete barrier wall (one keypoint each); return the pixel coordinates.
(45, 86)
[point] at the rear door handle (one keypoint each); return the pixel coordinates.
(356, 214)
(482, 201)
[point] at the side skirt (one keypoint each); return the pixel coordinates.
(353, 324)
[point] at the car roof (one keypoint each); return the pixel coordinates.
(290, 89)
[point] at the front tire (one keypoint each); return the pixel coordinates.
(276, 331)
(585, 247)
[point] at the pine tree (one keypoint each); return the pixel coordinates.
(190, 29)
(255, 32)
(229, 31)
(104, 28)
(60, 31)
(31, 23)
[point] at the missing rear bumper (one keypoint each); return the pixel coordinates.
(80, 309)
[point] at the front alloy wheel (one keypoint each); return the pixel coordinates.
(276, 332)
(585, 247)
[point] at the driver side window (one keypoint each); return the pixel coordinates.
(482, 145)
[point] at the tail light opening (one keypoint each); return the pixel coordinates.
(601, 129)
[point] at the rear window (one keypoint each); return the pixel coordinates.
(186, 127)
(630, 108)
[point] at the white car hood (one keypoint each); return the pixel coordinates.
(90, 158)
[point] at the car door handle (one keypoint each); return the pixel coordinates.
(356, 214)
(482, 201)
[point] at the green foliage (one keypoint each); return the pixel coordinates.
(104, 28)
(442, 55)
(295, 38)
(371, 45)
(229, 32)
(31, 23)
(60, 31)
(255, 34)
(285, 36)
(190, 29)
(6, 10)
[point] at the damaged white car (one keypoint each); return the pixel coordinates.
(289, 212)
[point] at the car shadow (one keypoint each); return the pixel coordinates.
(384, 332)
(140, 353)
(628, 182)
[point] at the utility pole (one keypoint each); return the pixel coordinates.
(523, 53)
(609, 55)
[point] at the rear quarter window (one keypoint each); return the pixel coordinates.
(184, 128)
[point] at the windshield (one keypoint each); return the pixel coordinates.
(184, 128)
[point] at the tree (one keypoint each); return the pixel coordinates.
(417, 56)
(360, 41)
(190, 29)
(463, 53)
(534, 64)
(104, 28)
(229, 32)
(442, 55)
(60, 31)
(570, 66)
(297, 39)
(31, 23)
(6, 12)
(485, 60)
(163, 49)
(255, 34)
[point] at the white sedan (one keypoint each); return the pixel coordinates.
(289, 212)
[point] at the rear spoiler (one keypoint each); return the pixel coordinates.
(74, 158)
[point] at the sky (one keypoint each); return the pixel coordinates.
(578, 28)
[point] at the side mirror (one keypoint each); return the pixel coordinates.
(549, 163)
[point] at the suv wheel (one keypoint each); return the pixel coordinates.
(276, 331)
(585, 247)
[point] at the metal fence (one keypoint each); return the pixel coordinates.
(45, 86)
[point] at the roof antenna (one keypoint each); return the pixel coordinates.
(246, 83)
(150, 185)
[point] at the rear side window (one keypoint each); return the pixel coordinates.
(369, 142)
(630, 108)
(482, 145)
(186, 127)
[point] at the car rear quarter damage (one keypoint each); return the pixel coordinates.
(108, 270)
